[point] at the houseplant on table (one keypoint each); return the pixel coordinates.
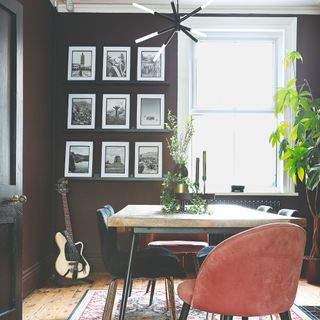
(299, 147)
(177, 181)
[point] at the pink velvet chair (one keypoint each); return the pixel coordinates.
(253, 273)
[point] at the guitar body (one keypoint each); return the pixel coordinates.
(64, 265)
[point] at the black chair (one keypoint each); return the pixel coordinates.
(264, 208)
(289, 213)
(150, 263)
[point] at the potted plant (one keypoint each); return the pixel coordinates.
(299, 147)
(177, 181)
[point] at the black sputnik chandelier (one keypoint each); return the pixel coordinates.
(176, 24)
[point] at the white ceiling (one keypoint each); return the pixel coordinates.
(217, 6)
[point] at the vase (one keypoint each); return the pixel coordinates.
(312, 270)
(181, 170)
(181, 188)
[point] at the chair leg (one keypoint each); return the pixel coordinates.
(130, 287)
(184, 311)
(153, 285)
(171, 296)
(149, 285)
(244, 318)
(108, 307)
(224, 317)
(285, 315)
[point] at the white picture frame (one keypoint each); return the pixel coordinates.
(115, 111)
(147, 70)
(115, 159)
(81, 111)
(116, 63)
(82, 63)
(78, 159)
(150, 111)
(148, 160)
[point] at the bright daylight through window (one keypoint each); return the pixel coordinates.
(232, 82)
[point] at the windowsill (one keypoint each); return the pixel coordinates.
(263, 194)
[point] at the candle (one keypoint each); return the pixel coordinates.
(204, 165)
(197, 170)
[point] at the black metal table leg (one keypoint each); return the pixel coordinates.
(126, 286)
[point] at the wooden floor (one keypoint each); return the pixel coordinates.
(56, 303)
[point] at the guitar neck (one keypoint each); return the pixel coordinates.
(66, 213)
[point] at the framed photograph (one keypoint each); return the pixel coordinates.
(115, 159)
(116, 63)
(78, 159)
(81, 111)
(148, 160)
(150, 111)
(115, 111)
(148, 70)
(82, 63)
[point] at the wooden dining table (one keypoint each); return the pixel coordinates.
(229, 219)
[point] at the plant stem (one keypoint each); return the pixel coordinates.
(315, 253)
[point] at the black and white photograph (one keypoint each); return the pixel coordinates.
(115, 159)
(115, 111)
(81, 111)
(116, 63)
(150, 111)
(148, 159)
(147, 69)
(78, 159)
(82, 63)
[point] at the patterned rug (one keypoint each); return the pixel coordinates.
(91, 307)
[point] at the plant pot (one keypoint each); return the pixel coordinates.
(312, 270)
(181, 188)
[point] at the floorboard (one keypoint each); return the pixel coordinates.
(54, 302)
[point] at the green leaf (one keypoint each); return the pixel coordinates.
(293, 133)
(301, 173)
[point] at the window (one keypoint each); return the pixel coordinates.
(234, 74)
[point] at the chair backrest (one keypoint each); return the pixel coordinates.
(289, 213)
(255, 272)
(108, 239)
(264, 208)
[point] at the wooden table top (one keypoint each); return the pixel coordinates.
(221, 216)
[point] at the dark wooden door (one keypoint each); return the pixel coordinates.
(11, 82)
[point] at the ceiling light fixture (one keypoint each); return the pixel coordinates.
(176, 26)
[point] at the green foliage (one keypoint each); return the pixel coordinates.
(168, 199)
(298, 146)
(178, 144)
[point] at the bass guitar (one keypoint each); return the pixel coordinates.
(70, 262)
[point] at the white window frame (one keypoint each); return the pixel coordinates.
(284, 30)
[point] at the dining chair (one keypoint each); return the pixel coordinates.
(289, 213)
(264, 208)
(150, 263)
(253, 273)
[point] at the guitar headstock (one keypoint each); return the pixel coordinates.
(62, 186)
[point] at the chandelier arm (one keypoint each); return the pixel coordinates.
(189, 35)
(174, 10)
(154, 34)
(192, 13)
(170, 37)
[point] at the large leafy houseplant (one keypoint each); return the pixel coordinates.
(299, 144)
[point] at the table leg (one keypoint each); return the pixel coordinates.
(126, 286)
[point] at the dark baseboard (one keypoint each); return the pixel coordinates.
(35, 275)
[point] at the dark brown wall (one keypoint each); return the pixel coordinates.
(121, 30)
(37, 139)
(86, 196)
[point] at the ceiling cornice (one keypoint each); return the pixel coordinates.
(218, 9)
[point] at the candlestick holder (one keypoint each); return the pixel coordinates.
(204, 179)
